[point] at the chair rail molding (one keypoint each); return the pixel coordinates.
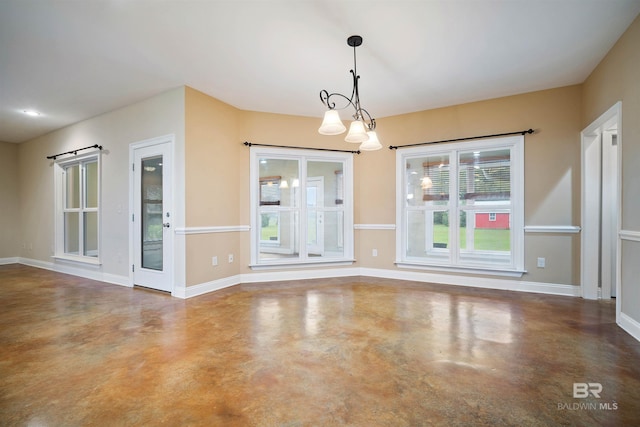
(629, 235)
(374, 226)
(212, 229)
(564, 229)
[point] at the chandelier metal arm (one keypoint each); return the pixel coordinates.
(370, 121)
(325, 97)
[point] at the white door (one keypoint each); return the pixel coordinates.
(152, 209)
(315, 216)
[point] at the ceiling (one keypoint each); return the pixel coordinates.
(72, 60)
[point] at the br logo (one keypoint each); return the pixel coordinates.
(583, 390)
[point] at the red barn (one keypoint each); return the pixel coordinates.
(493, 220)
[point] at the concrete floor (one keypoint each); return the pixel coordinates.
(356, 351)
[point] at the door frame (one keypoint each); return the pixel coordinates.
(591, 189)
(170, 267)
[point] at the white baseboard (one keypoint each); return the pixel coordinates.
(274, 276)
(204, 288)
(13, 260)
(92, 272)
(475, 282)
(445, 279)
(630, 325)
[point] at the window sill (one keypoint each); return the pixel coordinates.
(78, 259)
(308, 264)
(468, 270)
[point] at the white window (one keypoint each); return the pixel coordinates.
(301, 204)
(77, 182)
(461, 205)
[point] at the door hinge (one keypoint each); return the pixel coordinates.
(133, 167)
(133, 268)
(133, 217)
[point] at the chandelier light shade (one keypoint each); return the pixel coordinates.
(372, 143)
(363, 126)
(357, 133)
(331, 125)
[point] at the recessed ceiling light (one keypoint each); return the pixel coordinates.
(32, 113)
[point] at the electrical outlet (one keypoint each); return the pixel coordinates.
(541, 262)
(214, 261)
(230, 258)
(374, 252)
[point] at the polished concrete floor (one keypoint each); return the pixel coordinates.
(354, 352)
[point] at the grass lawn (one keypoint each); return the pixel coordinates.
(486, 239)
(270, 231)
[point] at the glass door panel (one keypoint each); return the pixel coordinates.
(151, 203)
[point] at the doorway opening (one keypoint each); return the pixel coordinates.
(600, 245)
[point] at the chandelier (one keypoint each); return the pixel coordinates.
(363, 127)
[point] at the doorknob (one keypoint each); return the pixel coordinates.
(166, 225)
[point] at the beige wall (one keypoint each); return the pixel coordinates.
(615, 79)
(9, 201)
(212, 176)
(160, 115)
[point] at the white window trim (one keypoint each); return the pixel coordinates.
(303, 156)
(60, 189)
(516, 144)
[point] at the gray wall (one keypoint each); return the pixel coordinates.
(9, 201)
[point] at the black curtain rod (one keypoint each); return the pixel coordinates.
(75, 152)
(249, 144)
(522, 132)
